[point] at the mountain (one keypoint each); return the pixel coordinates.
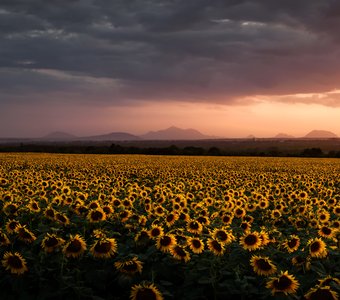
(59, 136)
(175, 133)
(283, 136)
(320, 134)
(113, 136)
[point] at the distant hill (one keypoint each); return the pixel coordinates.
(320, 134)
(284, 136)
(175, 133)
(113, 136)
(59, 136)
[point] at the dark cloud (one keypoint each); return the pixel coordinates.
(194, 50)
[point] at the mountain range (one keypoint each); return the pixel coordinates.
(171, 133)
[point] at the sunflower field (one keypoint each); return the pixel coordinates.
(168, 227)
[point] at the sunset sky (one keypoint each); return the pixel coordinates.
(227, 68)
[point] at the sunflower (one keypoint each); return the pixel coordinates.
(34, 206)
(321, 292)
(326, 232)
(75, 247)
(328, 280)
(239, 212)
(323, 215)
(104, 248)
(317, 248)
(299, 261)
(4, 240)
(145, 291)
(96, 215)
(222, 235)
(10, 208)
(51, 242)
(194, 227)
(292, 244)
(262, 265)
(130, 266)
(165, 242)
(284, 283)
(14, 262)
(49, 213)
(171, 218)
(156, 231)
(196, 245)
(216, 246)
(179, 253)
(24, 234)
(251, 241)
(62, 218)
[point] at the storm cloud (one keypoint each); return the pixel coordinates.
(119, 52)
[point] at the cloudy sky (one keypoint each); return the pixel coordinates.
(225, 67)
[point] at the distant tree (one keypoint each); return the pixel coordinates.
(312, 152)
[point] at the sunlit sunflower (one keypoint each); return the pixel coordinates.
(34, 206)
(104, 248)
(262, 265)
(145, 291)
(14, 263)
(284, 283)
(166, 242)
(179, 253)
(130, 266)
(171, 218)
(75, 247)
(10, 208)
(196, 245)
(222, 235)
(239, 212)
(24, 234)
(317, 248)
(194, 227)
(96, 215)
(327, 232)
(216, 247)
(264, 237)
(251, 241)
(49, 212)
(51, 242)
(292, 244)
(156, 231)
(323, 215)
(227, 219)
(336, 210)
(321, 292)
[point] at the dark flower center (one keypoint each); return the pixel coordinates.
(315, 247)
(216, 245)
(96, 215)
(263, 265)
(180, 252)
(323, 294)
(155, 232)
(222, 235)
(326, 230)
(15, 262)
(74, 246)
(250, 240)
(282, 283)
(194, 225)
(51, 242)
(146, 294)
(165, 241)
(292, 243)
(196, 244)
(102, 247)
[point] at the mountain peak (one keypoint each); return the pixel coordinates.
(175, 133)
(320, 134)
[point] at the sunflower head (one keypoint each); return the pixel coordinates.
(262, 265)
(104, 248)
(14, 263)
(166, 242)
(129, 266)
(145, 291)
(321, 292)
(317, 248)
(284, 283)
(75, 247)
(196, 245)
